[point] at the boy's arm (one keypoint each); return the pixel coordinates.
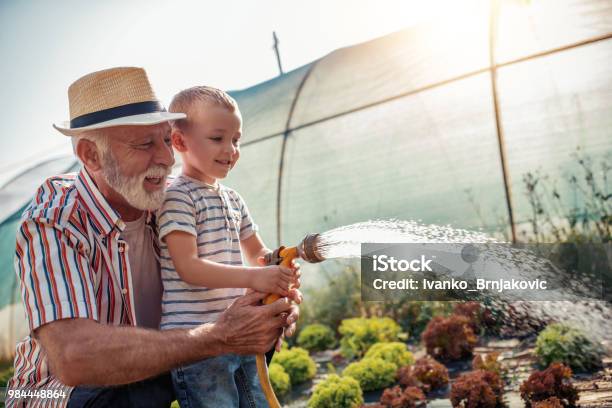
(201, 272)
(254, 248)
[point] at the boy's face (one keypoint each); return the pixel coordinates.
(212, 142)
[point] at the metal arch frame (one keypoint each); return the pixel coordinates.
(436, 85)
(281, 164)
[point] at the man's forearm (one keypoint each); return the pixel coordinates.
(96, 354)
(85, 352)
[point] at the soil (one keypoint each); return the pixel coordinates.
(516, 356)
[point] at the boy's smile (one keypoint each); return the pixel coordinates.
(226, 163)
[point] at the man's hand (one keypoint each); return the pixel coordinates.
(296, 296)
(292, 317)
(247, 327)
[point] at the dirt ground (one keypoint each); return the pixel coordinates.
(595, 390)
(516, 356)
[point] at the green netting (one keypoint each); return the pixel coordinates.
(17, 191)
(265, 107)
(397, 160)
(9, 290)
(384, 68)
(255, 177)
(528, 27)
(564, 102)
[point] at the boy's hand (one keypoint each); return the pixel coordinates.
(273, 279)
(295, 267)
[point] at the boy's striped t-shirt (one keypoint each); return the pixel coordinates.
(219, 219)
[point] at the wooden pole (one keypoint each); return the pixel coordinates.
(498, 119)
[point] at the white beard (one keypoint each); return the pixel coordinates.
(132, 188)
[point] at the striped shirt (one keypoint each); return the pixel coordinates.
(219, 219)
(71, 263)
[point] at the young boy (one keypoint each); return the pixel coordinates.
(205, 229)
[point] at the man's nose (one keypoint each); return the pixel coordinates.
(164, 155)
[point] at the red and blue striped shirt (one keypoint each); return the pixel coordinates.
(71, 263)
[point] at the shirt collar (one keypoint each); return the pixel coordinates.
(105, 217)
(151, 219)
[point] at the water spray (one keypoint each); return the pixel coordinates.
(309, 250)
(341, 242)
(345, 242)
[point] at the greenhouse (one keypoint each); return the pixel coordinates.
(458, 123)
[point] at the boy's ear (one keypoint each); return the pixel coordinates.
(178, 140)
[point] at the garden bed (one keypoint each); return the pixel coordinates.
(517, 357)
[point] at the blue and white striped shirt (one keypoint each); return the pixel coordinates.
(219, 219)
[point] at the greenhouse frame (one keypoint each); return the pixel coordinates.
(438, 123)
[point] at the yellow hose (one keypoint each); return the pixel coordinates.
(288, 255)
(264, 380)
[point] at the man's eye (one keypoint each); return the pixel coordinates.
(216, 138)
(168, 141)
(145, 145)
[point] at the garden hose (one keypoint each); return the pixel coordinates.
(306, 250)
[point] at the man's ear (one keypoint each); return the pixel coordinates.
(178, 140)
(88, 152)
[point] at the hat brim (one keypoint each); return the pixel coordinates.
(144, 119)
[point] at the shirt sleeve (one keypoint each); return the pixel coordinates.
(54, 274)
(178, 213)
(247, 225)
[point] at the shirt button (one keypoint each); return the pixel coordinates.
(124, 291)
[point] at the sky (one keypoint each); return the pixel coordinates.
(46, 45)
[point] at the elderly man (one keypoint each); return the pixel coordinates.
(87, 262)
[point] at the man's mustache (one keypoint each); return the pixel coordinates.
(157, 171)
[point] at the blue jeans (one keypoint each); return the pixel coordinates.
(219, 382)
(151, 393)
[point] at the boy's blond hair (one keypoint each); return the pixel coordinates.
(185, 100)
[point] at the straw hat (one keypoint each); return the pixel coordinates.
(113, 97)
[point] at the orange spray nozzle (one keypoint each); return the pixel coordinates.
(307, 249)
(284, 258)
